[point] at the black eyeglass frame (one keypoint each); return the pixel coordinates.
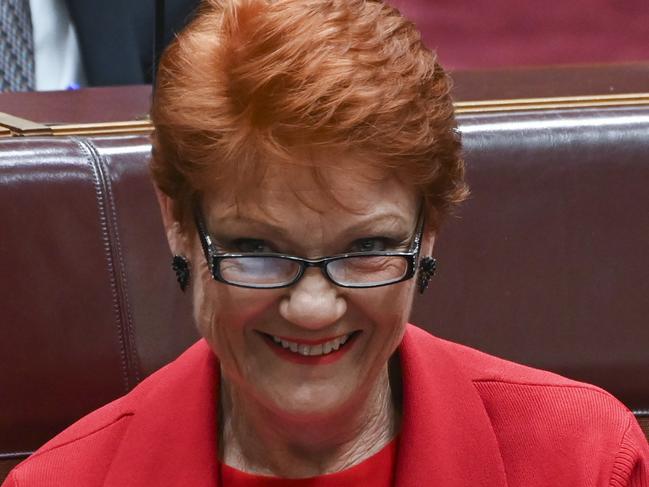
(213, 258)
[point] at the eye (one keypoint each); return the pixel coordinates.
(375, 244)
(251, 245)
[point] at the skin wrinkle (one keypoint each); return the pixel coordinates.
(286, 175)
(347, 448)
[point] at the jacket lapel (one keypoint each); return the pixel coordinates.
(171, 439)
(446, 437)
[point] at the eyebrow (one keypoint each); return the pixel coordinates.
(369, 223)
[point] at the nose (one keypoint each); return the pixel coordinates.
(313, 302)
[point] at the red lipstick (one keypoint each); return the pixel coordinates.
(298, 358)
(310, 342)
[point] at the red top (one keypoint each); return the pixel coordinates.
(377, 471)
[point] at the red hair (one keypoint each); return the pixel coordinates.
(254, 82)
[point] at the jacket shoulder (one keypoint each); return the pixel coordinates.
(479, 366)
(499, 380)
(542, 418)
(96, 436)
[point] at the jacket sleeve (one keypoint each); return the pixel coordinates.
(631, 466)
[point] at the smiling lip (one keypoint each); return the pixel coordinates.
(329, 358)
(310, 342)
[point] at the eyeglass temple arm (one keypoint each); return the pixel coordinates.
(419, 232)
(206, 241)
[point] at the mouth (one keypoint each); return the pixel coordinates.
(311, 351)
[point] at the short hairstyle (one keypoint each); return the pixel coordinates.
(254, 82)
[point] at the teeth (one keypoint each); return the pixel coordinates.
(312, 350)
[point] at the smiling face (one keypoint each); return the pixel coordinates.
(312, 349)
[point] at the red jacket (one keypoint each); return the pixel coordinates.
(469, 419)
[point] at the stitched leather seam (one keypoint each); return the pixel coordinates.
(100, 191)
(18, 455)
(127, 315)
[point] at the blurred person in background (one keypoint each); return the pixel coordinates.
(94, 43)
(62, 44)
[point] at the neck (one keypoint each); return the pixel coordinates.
(255, 439)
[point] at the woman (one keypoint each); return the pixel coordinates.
(305, 155)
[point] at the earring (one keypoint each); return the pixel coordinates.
(427, 268)
(180, 265)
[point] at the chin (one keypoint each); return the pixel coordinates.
(312, 402)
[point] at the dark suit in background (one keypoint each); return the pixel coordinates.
(116, 37)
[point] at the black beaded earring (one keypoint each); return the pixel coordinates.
(427, 268)
(180, 265)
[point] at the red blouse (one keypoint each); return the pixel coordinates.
(377, 471)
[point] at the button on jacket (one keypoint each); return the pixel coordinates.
(469, 419)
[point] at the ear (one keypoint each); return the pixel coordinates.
(175, 238)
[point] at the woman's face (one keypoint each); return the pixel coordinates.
(290, 213)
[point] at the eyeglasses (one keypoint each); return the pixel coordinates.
(271, 270)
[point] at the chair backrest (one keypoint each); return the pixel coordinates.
(89, 304)
(546, 264)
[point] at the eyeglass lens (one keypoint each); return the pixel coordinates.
(368, 270)
(259, 271)
(276, 271)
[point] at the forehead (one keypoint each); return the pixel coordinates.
(293, 191)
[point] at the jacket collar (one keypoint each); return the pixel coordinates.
(446, 436)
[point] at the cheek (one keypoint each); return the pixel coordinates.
(393, 306)
(203, 303)
(221, 313)
(388, 312)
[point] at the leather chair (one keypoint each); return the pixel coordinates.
(546, 264)
(89, 304)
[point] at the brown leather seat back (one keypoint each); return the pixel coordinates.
(89, 303)
(548, 261)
